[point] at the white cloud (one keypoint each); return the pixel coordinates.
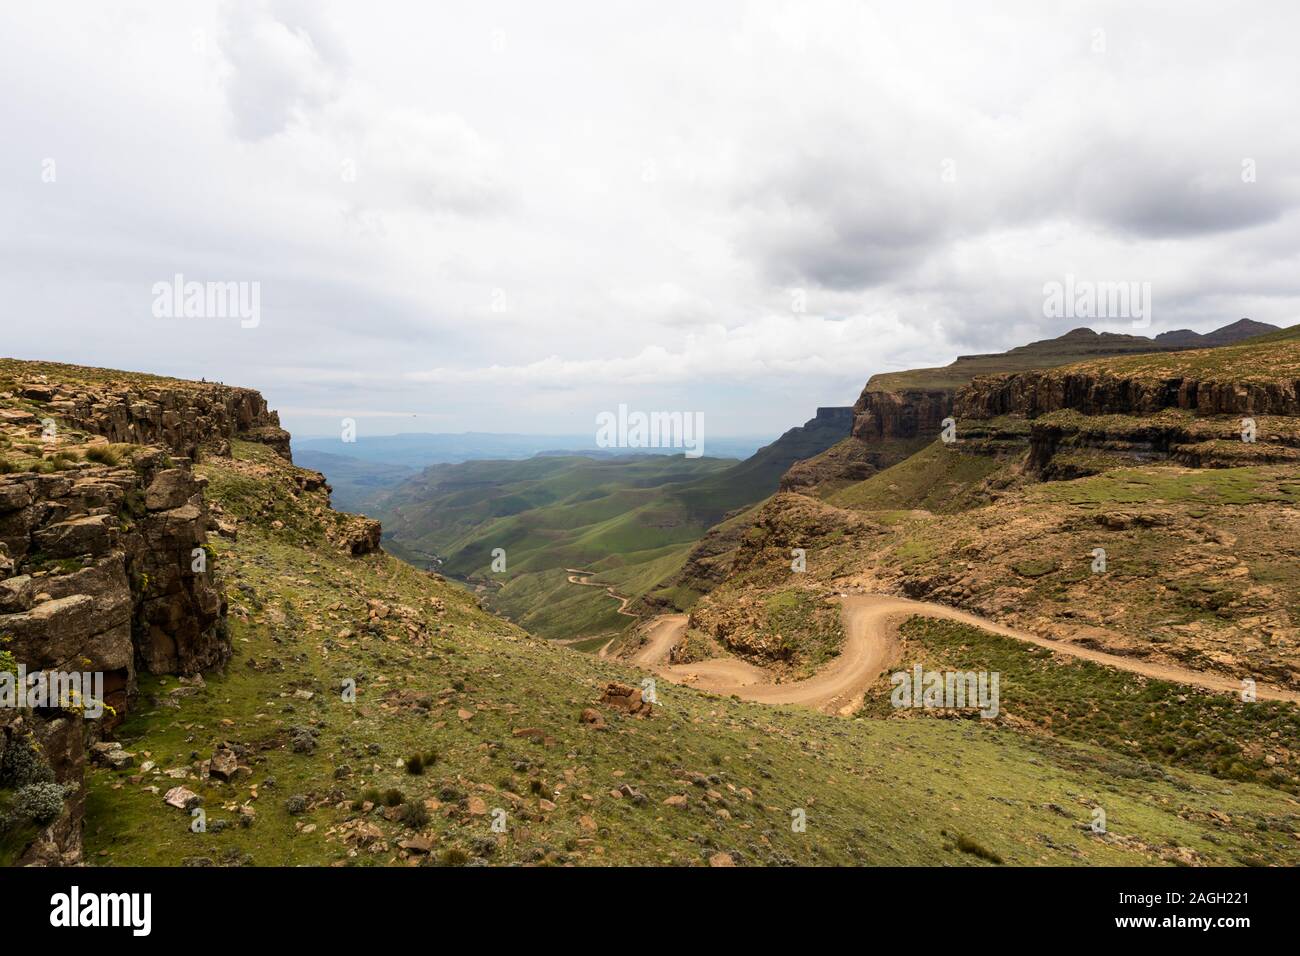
(510, 213)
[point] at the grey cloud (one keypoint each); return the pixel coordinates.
(282, 63)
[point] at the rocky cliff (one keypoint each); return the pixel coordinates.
(1110, 393)
(106, 565)
(898, 412)
(187, 418)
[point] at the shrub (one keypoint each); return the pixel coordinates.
(393, 797)
(453, 856)
(38, 802)
(104, 454)
(414, 815)
(23, 766)
(967, 845)
(415, 765)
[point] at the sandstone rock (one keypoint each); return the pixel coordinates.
(169, 489)
(626, 698)
(16, 594)
(182, 798)
(75, 537)
(119, 759)
(224, 765)
(361, 536)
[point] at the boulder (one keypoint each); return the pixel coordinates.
(169, 489)
(182, 798)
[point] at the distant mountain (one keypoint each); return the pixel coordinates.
(1238, 331)
(357, 484)
(899, 412)
(631, 519)
(415, 450)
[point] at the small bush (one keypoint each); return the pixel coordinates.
(453, 856)
(967, 845)
(104, 454)
(23, 765)
(38, 802)
(413, 815)
(393, 797)
(415, 765)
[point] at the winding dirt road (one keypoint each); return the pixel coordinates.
(579, 576)
(871, 646)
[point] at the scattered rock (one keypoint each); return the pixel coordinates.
(182, 798)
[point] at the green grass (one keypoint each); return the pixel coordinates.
(1157, 721)
(1208, 487)
(875, 791)
(939, 478)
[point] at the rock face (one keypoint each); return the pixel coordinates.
(902, 414)
(110, 573)
(1098, 393)
(187, 418)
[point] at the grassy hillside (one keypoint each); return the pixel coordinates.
(494, 717)
(358, 485)
(630, 521)
(1269, 357)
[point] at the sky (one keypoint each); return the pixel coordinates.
(513, 216)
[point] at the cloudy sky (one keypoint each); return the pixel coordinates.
(511, 216)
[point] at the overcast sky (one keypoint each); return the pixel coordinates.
(512, 216)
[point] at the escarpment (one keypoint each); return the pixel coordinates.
(186, 418)
(1234, 406)
(1108, 393)
(898, 412)
(107, 567)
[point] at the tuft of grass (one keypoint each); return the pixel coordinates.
(975, 848)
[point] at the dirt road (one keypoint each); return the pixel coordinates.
(871, 646)
(579, 576)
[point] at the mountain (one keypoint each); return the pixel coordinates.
(1113, 508)
(627, 520)
(358, 484)
(327, 704)
(1238, 331)
(897, 415)
(415, 450)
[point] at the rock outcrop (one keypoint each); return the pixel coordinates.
(111, 572)
(897, 410)
(105, 572)
(1103, 393)
(186, 418)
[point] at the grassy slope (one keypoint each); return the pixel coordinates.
(1270, 357)
(939, 478)
(875, 792)
(1157, 721)
(631, 521)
